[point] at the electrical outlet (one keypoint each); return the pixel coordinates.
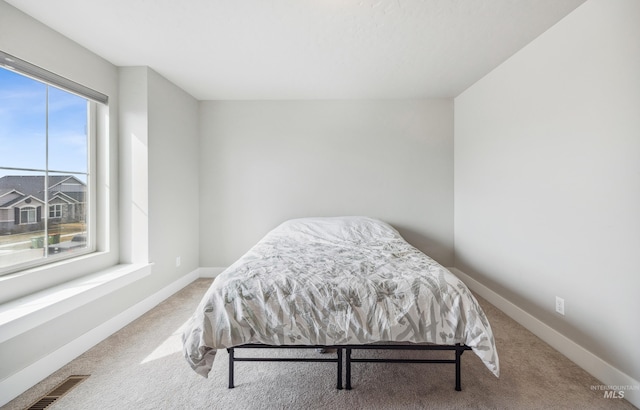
(560, 305)
(178, 262)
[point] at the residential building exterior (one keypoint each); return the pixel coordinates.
(23, 206)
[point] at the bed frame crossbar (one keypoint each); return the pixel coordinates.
(233, 358)
(349, 360)
(458, 348)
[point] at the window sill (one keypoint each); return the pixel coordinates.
(26, 313)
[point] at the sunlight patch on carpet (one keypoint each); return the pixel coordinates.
(171, 345)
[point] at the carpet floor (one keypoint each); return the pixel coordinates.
(141, 367)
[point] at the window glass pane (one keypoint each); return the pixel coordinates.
(21, 219)
(67, 193)
(67, 131)
(22, 121)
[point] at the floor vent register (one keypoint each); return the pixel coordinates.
(57, 392)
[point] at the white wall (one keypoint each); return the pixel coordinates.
(173, 179)
(547, 178)
(264, 162)
(134, 164)
(159, 142)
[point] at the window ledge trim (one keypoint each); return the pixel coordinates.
(26, 313)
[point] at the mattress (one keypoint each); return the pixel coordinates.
(335, 281)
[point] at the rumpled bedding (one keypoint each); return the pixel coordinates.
(335, 281)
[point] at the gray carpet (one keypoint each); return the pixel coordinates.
(141, 367)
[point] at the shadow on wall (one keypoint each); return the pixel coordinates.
(441, 252)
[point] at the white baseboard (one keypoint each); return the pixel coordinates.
(594, 365)
(16, 384)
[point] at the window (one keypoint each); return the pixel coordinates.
(27, 215)
(55, 211)
(45, 164)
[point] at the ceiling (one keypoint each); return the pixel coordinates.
(306, 49)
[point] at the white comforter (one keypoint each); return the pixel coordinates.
(335, 281)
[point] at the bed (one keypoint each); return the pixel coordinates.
(339, 283)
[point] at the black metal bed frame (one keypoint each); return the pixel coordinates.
(457, 348)
(233, 358)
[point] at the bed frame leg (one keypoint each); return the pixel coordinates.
(348, 370)
(459, 351)
(231, 362)
(339, 352)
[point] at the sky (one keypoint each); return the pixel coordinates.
(23, 126)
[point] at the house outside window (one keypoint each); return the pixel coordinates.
(45, 171)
